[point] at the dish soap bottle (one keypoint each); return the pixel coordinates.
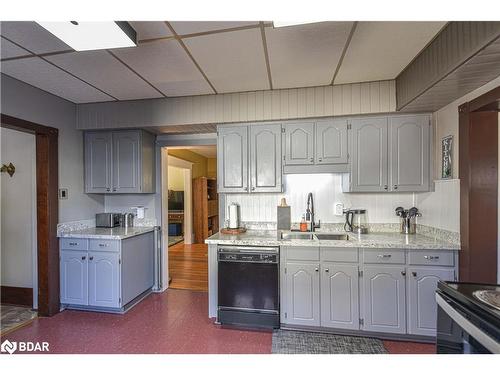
(303, 224)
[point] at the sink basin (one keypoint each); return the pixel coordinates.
(297, 236)
(331, 237)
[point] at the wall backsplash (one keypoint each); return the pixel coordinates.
(327, 190)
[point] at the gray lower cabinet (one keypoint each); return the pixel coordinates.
(265, 158)
(104, 279)
(384, 301)
(339, 296)
(302, 305)
(421, 287)
(119, 162)
(74, 277)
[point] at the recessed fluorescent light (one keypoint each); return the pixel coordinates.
(84, 36)
(291, 23)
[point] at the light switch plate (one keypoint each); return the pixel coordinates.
(63, 193)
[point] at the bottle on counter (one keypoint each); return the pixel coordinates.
(303, 224)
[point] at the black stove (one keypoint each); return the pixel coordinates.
(466, 324)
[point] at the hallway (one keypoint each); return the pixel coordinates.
(188, 266)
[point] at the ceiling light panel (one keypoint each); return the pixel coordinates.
(32, 36)
(233, 61)
(103, 70)
(45, 76)
(8, 50)
(306, 55)
(381, 50)
(192, 27)
(167, 66)
(85, 36)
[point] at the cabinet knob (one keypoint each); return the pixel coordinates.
(403, 273)
(246, 188)
(114, 189)
(253, 188)
(320, 160)
(91, 258)
(414, 274)
(316, 269)
(312, 160)
(84, 257)
(327, 270)
(386, 187)
(395, 187)
(107, 189)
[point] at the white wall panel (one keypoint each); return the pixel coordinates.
(349, 99)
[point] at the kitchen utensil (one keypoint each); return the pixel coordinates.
(408, 225)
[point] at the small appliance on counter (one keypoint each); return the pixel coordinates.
(128, 220)
(355, 221)
(108, 220)
(408, 225)
(233, 221)
(468, 318)
(284, 216)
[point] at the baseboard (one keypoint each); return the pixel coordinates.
(13, 295)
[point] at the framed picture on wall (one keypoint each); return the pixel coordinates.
(446, 157)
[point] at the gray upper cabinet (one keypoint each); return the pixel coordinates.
(98, 164)
(232, 159)
(331, 142)
(339, 296)
(265, 158)
(422, 308)
(302, 306)
(384, 299)
(119, 162)
(368, 150)
(409, 153)
(299, 143)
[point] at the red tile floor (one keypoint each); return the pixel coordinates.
(172, 322)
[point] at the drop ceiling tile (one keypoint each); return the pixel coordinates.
(306, 55)
(150, 29)
(232, 61)
(45, 76)
(8, 50)
(32, 36)
(381, 50)
(167, 66)
(103, 70)
(191, 27)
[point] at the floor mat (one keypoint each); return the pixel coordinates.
(172, 240)
(296, 342)
(13, 317)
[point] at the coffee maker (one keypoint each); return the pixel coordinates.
(355, 221)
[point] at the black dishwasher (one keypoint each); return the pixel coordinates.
(248, 286)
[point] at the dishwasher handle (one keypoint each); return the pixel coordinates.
(248, 249)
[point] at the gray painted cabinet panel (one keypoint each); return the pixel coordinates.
(127, 164)
(299, 143)
(422, 308)
(74, 277)
(98, 163)
(409, 142)
(104, 279)
(265, 158)
(232, 159)
(339, 296)
(384, 299)
(368, 151)
(331, 142)
(302, 304)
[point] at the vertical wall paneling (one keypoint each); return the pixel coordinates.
(337, 100)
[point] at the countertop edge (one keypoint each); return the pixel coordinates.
(76, 234)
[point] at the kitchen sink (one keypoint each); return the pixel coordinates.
(331, 237)
(297, 236)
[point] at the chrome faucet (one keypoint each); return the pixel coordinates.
(310, 213)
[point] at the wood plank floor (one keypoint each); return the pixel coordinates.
(188, 266)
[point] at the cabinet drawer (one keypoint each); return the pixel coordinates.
(384, 256)
(431, 257)
(104, 245)
(339, 254)
(74, 244)
(302, 253)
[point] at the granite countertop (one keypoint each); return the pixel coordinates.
(373, 240)
(116, 233)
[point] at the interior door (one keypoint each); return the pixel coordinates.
(104, 279)
(126, 162)
(299, 143)
(265, 158)
(331, 142)
(409, 140)
(74, 277)
(232, 159)
(98, 163)
(369, 168)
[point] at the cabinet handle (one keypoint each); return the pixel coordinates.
(107, 189)
(103, 245)
(316, 269)
(327, 270)
(84, 257)
(320, 160)
(73, 243)
(246, 188)
(403, 273)
(114, 189)
(386, 187)
(395, 187)
(431, 257)
(384, 255)
(253, 188)
(91, 258)
(414, 274)
(312, 160)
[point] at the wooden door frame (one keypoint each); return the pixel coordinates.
(47, 210)
(478, 235)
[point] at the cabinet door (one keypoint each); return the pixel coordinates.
(265, 158)
(299, 144)
(104, 279)
(126, 161)
(302, 294)
(409, 153)
(422, 308)
(98, 163)
(339, 296)
(232, 159)
(368, 151)
(384, 299)
(74, 277)
(331, 142)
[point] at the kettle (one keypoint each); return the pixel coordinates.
(355, 221)
(234, 216)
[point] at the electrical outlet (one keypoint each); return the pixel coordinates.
(63, 193)
(339, 209)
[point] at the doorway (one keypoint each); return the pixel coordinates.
(189, 199)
